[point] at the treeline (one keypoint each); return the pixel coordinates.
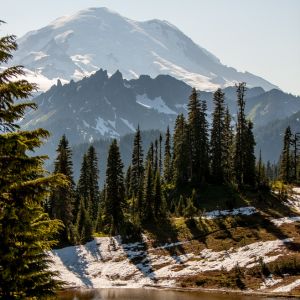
(156, 183)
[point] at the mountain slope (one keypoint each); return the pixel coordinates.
(75, 46)
(101, 107)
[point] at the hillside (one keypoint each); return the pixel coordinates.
(254, 247)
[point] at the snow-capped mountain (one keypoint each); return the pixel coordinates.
(76, 46)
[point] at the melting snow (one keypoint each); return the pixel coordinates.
(106, 262)
(156, 104)
(285, 220)
(287, 288)
(248, 210)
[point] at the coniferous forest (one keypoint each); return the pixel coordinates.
(161, 181)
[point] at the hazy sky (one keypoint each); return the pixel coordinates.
(260, 36)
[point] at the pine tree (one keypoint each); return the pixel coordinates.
(195, 138)
(286, 163)
(218, 143)
(84, 225)
(241, 135)
(157, 197)
(160, 154)
(62, 199)
(137, 172)
(249, 166)
(180, 206)
(181, 153)
(26, 232)
(190, 210)
(204, 158)
(93, 184)
(128, 191)
(115, 193)
(82, 192)
(148, 194)
(228, 161)
(168, 158)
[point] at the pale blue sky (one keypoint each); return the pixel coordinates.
(260, 36)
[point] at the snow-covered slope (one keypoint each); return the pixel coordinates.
(74, 46)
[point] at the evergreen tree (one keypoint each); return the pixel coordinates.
(93, 184)
(180, 206)
(168, 158)
(249, 166)
(190, 210)
(148, 194)
(241, 135)
(286, 162)
(228, 162)
(137, 171)
(160, 154)
(195, 138)
(218, 142)
(204, 158)
(62, 199)
(180, 154)
(26, 232)
(114, 200)
(84, 225)
(157, 196)
(82, 192)
(128, 191)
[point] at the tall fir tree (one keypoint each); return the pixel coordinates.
(160, 154)
(26, 232)
(157, 196)
(93, 186)
(62, 199)
(181, 156)
(195, 138)
(137, 172)
(204, 158)
(286, 160)
(115, 192)
(241, 135)
(147, 213)
(249, 167)
(218, 143)
(168, 158)
(228, 162)
(82, 193)
(84, 225)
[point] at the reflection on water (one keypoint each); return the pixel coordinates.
(149, 294)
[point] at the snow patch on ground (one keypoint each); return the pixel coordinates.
(287, 288)
(269, 281)
(247, 211)
(157, 104)
(294, 200)
(285, 220)
(106, 262)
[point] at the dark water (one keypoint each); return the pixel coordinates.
(149, 294)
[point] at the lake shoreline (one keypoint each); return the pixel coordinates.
(225, 291)
(204, 290)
